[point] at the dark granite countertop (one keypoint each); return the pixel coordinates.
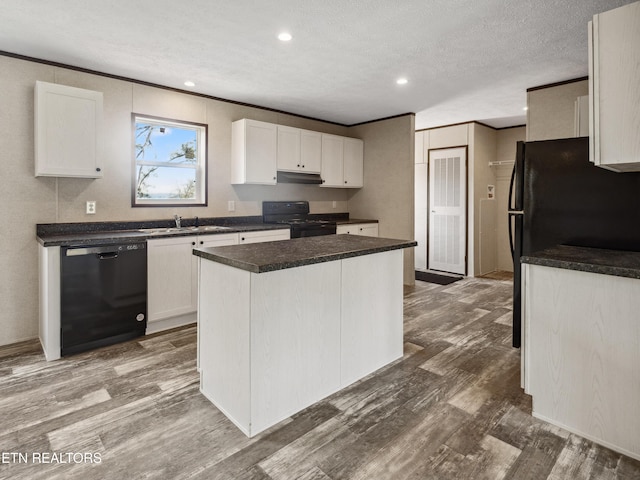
(594, 260)
(297, 252)
(68, 234)
(354, 220)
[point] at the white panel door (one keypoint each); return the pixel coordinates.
(447, 210)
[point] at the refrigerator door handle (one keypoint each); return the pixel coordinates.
(513, 216)
(511, 183)
(511, 236)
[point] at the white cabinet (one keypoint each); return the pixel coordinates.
(172, 273)
(68, 124)
(299, 150)
(614, 88)
(264, 236)
(253, 152)
(353, 162)
(266, 353)
(342, 161)
(332, 160)
(364, 229)
(172, 276)
(581, 353)
(170, 290)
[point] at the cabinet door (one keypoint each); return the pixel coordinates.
(67, 131)
(264, 236)
(171, 291)
(353, 162)
(253, 152)
(310, 151)
(332, 160)
(217, 240)
(367, 229)
(364, 229)
(614, 87)
(289, 149)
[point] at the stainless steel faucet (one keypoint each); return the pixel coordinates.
(178, 219)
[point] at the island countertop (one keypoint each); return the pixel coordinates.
(297, 252)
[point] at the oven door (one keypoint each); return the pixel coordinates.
(298, 231)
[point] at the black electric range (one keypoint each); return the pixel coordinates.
(296, 215)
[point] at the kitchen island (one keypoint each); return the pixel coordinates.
(581, 342)
(282, 325)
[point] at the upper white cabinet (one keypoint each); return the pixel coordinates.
(299, 150)
(614, 88)
(253, 152)
(342, 161)
(260, 149)
(68, 124)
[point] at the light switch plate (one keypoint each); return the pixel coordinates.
(231, 206)
(91, 207)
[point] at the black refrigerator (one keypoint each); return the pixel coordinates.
(558, 197)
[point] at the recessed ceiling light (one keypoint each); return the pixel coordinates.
(402, 81)
(189, 83)
(284, 36)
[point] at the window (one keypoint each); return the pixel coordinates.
(170, 162)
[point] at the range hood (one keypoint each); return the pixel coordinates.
(297, 177)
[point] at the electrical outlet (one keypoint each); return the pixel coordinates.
(335, 204)
(231, 206)
(91, 207)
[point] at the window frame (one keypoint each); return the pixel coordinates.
(202, 167)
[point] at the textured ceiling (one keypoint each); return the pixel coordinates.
(465, 60)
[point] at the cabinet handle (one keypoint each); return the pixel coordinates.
(302, 166)
(242, 239)
(193, 243)
(98, 169)
(298, 165)
(201, 242)
(345, 181)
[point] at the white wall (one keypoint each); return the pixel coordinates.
(506, 152)
(28, 200)
(388, 181)
(482, 212)
(482, 140)
(551, 111)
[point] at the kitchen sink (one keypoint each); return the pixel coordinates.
(154, 231)
(210, 228)
(205, 228)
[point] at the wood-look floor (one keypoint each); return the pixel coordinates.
(451, 408)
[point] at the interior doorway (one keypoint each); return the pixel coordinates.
(447, 237)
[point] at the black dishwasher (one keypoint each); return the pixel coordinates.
(103, 295)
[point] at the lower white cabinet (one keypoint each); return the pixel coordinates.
(264, 236)
(172, 274)
(265, 353)
(581, 353)
(364, 229)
